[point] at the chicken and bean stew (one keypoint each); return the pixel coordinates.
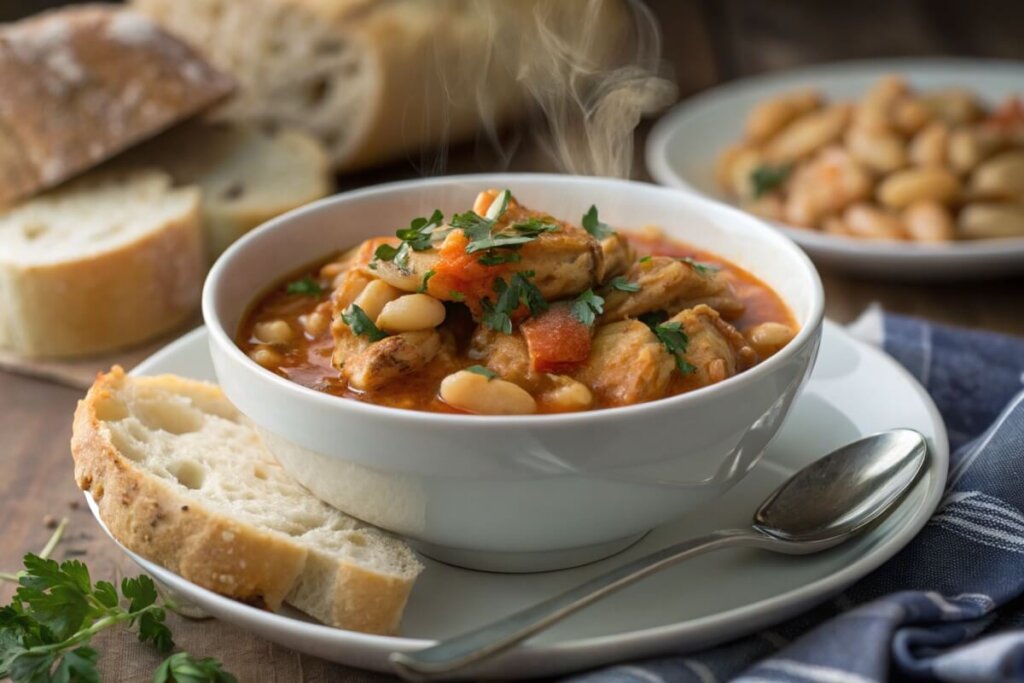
(505, 310)
(898, 164)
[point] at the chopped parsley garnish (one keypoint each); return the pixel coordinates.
(702, 268)
(671, 335)
(645, 259)
(481, 370)
(419, 236)
(495, 258)
(518, 289)
(623, 285)
(356, 318)
(479, 230)
(426, 278)
(587, 307)
(306, 285)
(766, 178)
(593, 225)
(456, 295)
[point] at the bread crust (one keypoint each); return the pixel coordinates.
(108, 300)
(260, 567)
(80, 84)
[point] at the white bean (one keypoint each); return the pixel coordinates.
(567, 394)
(880, 151)
(955, 106)
(1001, 177)
(375, 296)
(410, 313)
(266, 356)
(968, 147)
(929, 222)
(475, 393)
(768, 337)
(927, 183)
(865, 220)
(316, 323)
(991, 220)
(910, 115)
(273, 332)
(809, 133)
(928, 147)
(770, 116)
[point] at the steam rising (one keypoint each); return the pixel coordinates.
(590, 69)
(592, 83)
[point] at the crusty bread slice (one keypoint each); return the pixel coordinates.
(80, 84)
(103, 262)
(181, 479)
(248, 174)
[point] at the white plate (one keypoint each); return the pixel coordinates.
(682, 148)
(855, 390)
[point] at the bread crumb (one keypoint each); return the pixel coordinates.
(227, 536)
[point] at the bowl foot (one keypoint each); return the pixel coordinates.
(525, 562)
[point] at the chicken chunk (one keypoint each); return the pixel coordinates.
(368, 366)
(507, 355)
(714, 348)
(627, 365)
(670, 285)
(617, 254)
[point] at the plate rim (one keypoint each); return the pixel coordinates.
(663, 172)
(647, 639)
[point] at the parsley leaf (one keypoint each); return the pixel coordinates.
(481, 370)
(702, 268)
(671, 335)
(456, 295)
(306, 285)
(45, 631)
(593, 225)
(517, 290)
(356, 318)
(182, 667)
(620, 283)
(479, 230)
(766, 178)
(494, 258)
(426, 278)
(645, 259)
(587, 307)
(419, 236)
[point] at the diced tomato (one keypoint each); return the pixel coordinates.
(457, 271)
(556, 340)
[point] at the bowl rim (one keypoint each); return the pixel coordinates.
(809, 331)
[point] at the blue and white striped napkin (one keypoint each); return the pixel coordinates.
(950, 606)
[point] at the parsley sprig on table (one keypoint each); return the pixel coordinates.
(57, 609)
(518, 290)
(419, 236)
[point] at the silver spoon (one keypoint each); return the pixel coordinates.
(819, 507)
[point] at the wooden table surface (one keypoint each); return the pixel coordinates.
(707, 42)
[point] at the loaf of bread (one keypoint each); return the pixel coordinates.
(78, 85)
(103, 262)
(181, 479)
(375, 80)
(247, 173)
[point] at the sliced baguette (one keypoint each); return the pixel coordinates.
(103, 262)
(83, 83)
(181, 479)
(248, 174)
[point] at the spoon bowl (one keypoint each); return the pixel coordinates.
(820, 506)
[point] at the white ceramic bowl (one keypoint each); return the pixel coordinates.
(514, 493)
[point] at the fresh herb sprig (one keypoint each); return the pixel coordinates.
(766, 178)
(593, 224)
(480, 231)
(675, 341)
(419, 236)
(306, 285)
(483, 371)
(361, 325)
(700, 267)
(518, 290)
(587, 306)
(621, 284)
(57, 609)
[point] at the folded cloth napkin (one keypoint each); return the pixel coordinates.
(950, 606)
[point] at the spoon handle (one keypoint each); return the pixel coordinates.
(456, 653)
